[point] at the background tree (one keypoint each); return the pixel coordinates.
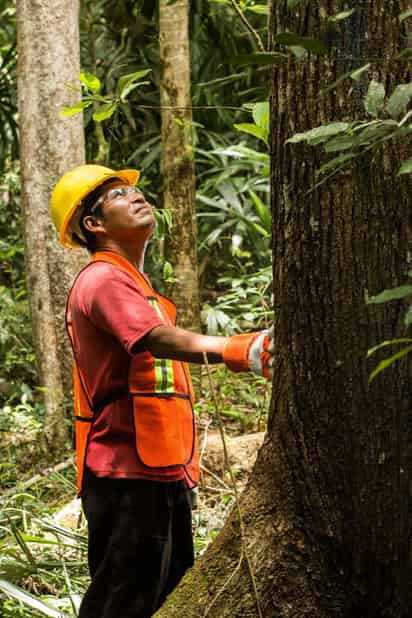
(327, 511)
(178, 158)
(48, 59)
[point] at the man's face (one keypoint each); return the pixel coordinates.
(125, 213)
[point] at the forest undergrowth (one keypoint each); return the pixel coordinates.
(43, 534)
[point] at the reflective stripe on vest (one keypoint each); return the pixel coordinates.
(163, 366)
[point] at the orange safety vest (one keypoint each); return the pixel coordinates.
(162, 395)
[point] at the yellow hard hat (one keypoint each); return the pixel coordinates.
(72, 188)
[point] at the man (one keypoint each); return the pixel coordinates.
(136, 445)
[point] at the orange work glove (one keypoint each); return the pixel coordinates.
(250, 352)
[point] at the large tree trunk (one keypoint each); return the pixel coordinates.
(327, 510)
(178, 160)
(48, 60)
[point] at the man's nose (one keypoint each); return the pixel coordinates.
(138, 197)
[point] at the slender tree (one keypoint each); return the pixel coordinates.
(177, 158)
(48, 60)
(327, 511)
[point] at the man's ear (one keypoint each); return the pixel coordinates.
(93, 224)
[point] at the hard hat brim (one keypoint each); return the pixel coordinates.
(129, 176)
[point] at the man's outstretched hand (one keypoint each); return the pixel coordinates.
(251, 352)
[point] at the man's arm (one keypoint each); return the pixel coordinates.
(183, 345)
(248, 352)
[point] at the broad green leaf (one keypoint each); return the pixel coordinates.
(262, 211)
(384, 344)
(13, 570)
(261, 9)
(399, 100)
(322, 133)
(28, 599)
(405, 15)
(372, 133)
(389, 361)
(343, 142)
(355, 75)
(243, 151)
(260, 58)
(214, 318)
(405, 53)
(298, 51)
(252, 129)
(167, 270)
(407, 320)
(341, 15)
(130, 87)
(130, 78)
(91, 82)
(391, 294)
(375, 98)
(104, 111)
(75, 109)
(221, 81)
(406, 167)
(313, 45)
(335, 163)
(261, 114)
(254, 226)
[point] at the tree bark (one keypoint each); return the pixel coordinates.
(327, 510)
(48, 60)
(178, 160)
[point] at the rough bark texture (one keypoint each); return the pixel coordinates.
(178, 160)
(328, 509)
(48, 50)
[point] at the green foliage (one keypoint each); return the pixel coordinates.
(234, 220)
(359, 137)
(375, 98)
(43, 555)
(388, 362)
(234, 215)
(292, 3)
(243, 400)
(105, 107)
(9, 140)
(341, 15)
(405, 15)
(244, 306)
(91, 82)
(260, 128)
(406, 167)
(392, 294)
(289, 39)
(398, 293)
(28, 599)
(16, 345)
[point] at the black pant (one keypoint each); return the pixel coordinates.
(140, 544)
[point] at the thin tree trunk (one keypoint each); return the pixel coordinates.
(327, 510)
(48, 60)
(178, 160)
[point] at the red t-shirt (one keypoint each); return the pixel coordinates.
(110, 315)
